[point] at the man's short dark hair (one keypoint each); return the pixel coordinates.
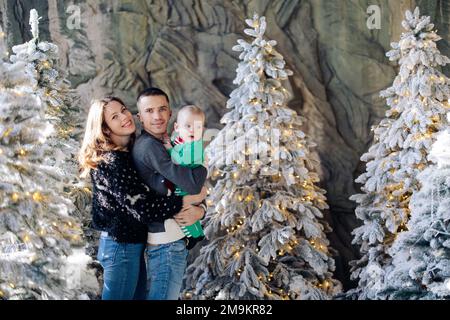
(149, 92)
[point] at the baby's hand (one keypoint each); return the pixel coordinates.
(166, 142)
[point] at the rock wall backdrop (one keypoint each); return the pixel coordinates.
(184, 47)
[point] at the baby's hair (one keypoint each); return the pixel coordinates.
(193, 110)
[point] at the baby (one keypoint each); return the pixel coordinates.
(186, 149)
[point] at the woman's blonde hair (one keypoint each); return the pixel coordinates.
(96, 141)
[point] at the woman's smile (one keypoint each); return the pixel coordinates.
(127, 124)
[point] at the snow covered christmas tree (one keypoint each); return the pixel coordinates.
(42, 254)
(421, 255)
(418, 103)
(59, 103)
(265, 223)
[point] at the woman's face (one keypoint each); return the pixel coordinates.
(119, 120)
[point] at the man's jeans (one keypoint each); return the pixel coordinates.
(166, 265)
(124, 272)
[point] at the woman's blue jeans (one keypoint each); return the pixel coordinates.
(166, 265)
(124, 272)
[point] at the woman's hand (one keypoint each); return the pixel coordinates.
(189, 199)
(189, 216)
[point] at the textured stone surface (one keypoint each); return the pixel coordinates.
(184, 46)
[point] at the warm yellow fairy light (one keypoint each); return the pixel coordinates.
(1, 151)
(15, 197)
(7, 132)
(235, 175)
(37, 196)
(22, 152)
(46, 64)
(435, 118)
(12, 285)
(26, 239)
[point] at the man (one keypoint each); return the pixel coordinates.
(167, 252)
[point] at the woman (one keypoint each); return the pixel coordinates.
(122, 205)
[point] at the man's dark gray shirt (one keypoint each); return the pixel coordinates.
(154, 164)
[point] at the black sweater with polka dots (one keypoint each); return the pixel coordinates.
(122, 204)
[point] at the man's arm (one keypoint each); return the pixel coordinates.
(151, 155)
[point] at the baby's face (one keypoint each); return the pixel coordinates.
(189, 126)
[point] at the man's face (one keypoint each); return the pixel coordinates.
(154, 114)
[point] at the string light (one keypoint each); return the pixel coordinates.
(37, 197)
(46, 64)
(26, 239)
(7, 132)
(15, 197)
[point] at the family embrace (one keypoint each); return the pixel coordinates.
(148, 193)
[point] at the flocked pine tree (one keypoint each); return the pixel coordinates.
(264, 223)
(421, 255)
(417, 103)
(42, 254)
(55, 92)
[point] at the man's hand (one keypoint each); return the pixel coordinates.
(189, 199)
(189, 216)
